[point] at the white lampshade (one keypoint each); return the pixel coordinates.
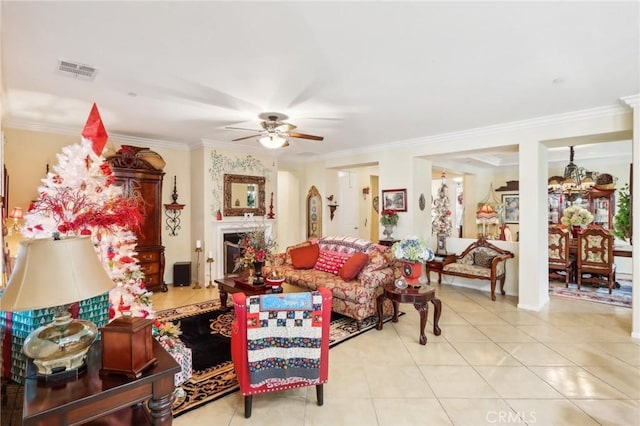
(272, 141)
(52, 272)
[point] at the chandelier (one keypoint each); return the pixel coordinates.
(575, 180)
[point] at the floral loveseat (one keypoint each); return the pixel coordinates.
(354, 291)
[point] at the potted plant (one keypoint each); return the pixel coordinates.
(256, 247)
(622, 221)
(388, 219)
(412, 251)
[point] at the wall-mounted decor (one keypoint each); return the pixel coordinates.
(376, 204)
(247, 192)
(512, 185)
(173, 212)
(511, 208)
(422, 203)
(314, 213)
(394, 199)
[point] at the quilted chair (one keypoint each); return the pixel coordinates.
(595, 257)
(281, 341)
(561, 264)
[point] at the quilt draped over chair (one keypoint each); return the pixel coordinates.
(281, 341)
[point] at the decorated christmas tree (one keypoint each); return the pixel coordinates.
(78, 198)
(441, 213)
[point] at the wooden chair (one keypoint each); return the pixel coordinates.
(281, 341)
(562, 265)
(595, 257)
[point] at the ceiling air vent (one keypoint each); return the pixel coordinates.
(83, 72)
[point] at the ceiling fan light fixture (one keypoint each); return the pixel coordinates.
(272, 141)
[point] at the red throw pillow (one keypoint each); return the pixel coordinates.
(304, 257)
(330, 261)
(353, 266)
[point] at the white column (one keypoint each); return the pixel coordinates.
(634, 103)
(533, 289)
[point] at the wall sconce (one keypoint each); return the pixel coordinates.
(173, 212)
(16, 214)
(333, 205)
(365, 192)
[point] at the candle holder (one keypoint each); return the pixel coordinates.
(197, 283)
(210, 262)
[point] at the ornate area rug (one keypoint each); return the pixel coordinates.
(618, 297)
(207, 331)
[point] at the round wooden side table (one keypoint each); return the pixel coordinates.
(419, 297)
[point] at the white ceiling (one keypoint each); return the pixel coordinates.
(358, 73)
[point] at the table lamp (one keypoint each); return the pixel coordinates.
(56, 273)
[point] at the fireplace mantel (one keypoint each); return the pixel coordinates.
(233, 225)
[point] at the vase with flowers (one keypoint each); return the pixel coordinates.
(576, 217)
(256, 247)
(388, 219)
(412, 252)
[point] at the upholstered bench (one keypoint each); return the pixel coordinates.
(481, 260)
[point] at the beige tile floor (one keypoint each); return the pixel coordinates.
(573, 363)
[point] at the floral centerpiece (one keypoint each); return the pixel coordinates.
(412, 249)
(389, 217)
(256, 248)
(576, 216)
(413, 252)
(167, 333)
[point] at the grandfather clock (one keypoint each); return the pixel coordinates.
(139, 172)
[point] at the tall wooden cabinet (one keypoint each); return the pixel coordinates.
(602, 205)
(600, 202)
(139, 172)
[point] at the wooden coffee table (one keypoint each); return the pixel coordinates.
(419, 297)
(229, 285)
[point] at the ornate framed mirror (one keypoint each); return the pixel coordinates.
(244, 194)
(314, 213)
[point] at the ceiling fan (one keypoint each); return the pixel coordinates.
(274, 131)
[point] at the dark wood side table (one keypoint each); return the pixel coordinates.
(419, 297)
(228, 285)
(437, 264)
(99, 399)
(387, 243)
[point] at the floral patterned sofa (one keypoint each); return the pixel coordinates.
(481, 260)
(354, 298)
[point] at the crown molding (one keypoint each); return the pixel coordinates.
(568, 117)
(113, 137)
(530, 123)
(632, 101)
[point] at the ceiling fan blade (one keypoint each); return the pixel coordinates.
(303, 136)
(246, 137)
(241, 128)
(285, 127)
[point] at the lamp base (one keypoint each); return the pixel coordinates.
(65, 375)
(60, 346)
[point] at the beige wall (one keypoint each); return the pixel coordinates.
(27, 154)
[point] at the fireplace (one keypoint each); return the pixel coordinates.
(231, 252)
(226, 235)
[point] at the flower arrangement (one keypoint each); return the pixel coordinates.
(167, 333)
(255, 247)
(389, 217)
(576, 216)
(412, 249)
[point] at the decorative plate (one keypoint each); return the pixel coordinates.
(421, 202)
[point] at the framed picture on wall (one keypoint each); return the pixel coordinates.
(394, 199)
(511, 208)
